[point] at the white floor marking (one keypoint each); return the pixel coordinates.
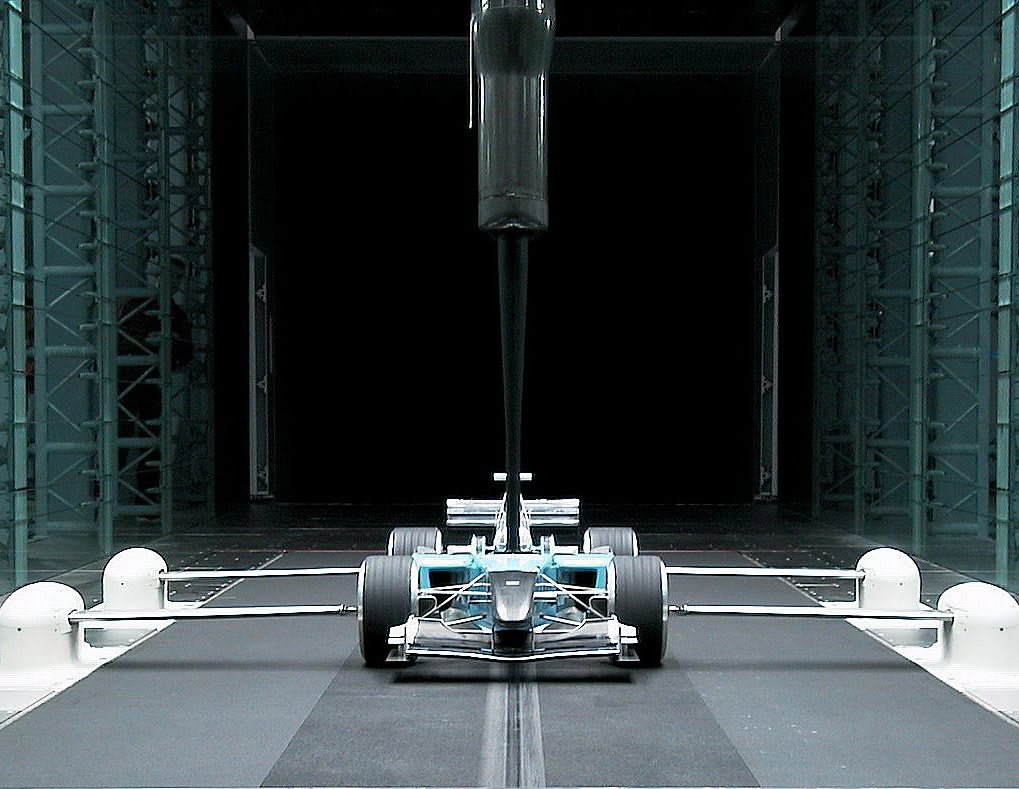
(512, 751)
(493, 737)
(532, 752)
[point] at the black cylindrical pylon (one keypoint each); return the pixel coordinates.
(513, 311)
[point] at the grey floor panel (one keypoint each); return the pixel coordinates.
(818, 703)
(420, 726)
(200, 704)
(604, 725)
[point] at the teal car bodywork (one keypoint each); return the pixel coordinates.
(477, 603)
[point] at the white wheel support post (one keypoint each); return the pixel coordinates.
(132, 581)
(891, 580)
(36, 634)
(984, 632)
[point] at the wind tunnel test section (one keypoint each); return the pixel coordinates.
(333, 599)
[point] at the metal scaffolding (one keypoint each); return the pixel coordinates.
(189, 236)
(106, 285)
(962, 265)
(14, 426)
(1006, 477)
(910, 244)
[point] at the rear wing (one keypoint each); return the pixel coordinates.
(485, 513)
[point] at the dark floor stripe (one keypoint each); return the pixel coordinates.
(819, 703)
(420, 726)
(611, 726)
(200, 704)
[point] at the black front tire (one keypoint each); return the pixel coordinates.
(406, 541)
(384, 599)
(642, 600)
(621, 540)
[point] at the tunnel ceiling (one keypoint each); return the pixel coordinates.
(575, 17)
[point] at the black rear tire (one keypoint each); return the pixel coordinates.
(620, 539)
(383, 599)
(406, 541)
(642, 600)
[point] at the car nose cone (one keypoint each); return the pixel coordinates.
(512, 597)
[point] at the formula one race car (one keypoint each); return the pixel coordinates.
(481, 601)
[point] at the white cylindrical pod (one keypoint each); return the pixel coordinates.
(891, 580)
(35, 634)
(131, 581)
(984, 633)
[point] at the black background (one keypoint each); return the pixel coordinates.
(639, 366)
(573, 17)
(640, 380)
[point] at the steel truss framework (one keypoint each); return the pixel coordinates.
(915, 409)
(105, 291)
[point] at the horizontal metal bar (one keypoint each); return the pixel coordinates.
(767, 572)
(210, 575)
(525, 476)
(67, 447)
(573, 55)
(561, 621)
(137, 509)
(955, 527)
(165, 614)
(463, 620)
(886, 509)
(60, 190)
(808, 611)
(131, 442)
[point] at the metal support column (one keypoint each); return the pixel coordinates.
(963, 188)
(141, 313)
(163, 263)
(767, 238)
(191, 234)
(69, 267)
(844, 96)
(885, 332)
(1007, 369)
(768, 310)
(105, 260)
(860, 267)
(920, 266)
(14, 420)
(260, 368)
